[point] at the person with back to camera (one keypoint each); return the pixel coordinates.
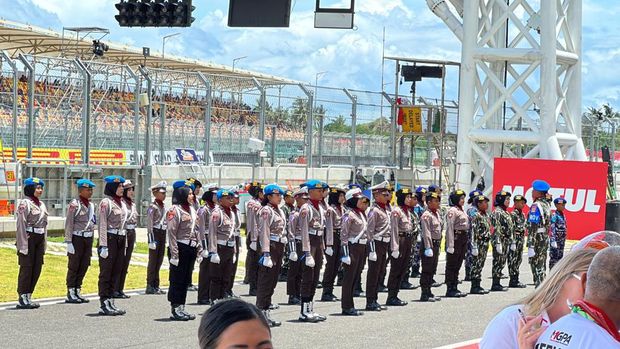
(234, 323)
(548, 302)
(156, 232)
(457, 227)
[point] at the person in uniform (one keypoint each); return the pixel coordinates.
(404, 226)
(183, 247)
(503, 228)
(293, 281)
(353, 239)
(516, 248)
(431, 239)
(209, 199)
(130, 236)
(196, 186)
(314, 220)
(31, 236)
(113, 215)
(287, 208)
(471, 212)
(156, 225)
(558, 232)
(222, 245)
(79, 231)
(272, 235)
(420, 194)
(457, 226)
(481, 234)
(538, 238)
(251, 237)
(237, 229)
(335, 200)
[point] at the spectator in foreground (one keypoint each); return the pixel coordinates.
(233, 323)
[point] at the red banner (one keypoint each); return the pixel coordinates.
(582, 184)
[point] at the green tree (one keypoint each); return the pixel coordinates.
(338, 125)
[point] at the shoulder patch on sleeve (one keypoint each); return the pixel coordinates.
(395, 213)
(22, 207)
(303, 212)
(170, 214)
(265, 213)
(103, 204)
(215, 216)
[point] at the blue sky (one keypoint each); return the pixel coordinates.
(351, 57)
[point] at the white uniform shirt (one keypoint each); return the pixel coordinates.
(501, 332)
(575, 331)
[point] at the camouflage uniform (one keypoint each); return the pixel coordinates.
(469, 258)
(515, 256)
(417, 243)
(504, 227)
(558, 234)
(481, 234)
(538, 238)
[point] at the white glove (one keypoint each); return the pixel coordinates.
(24, 252)
(292, 256)
(174, 261)
(395, 254)
(474, 251)
(419, 238)
(152, 245)
(204, 254)
(499, 248)
(104, 253)
(428, 252)
(70, 248)
(267, 262)
(215, 258)
(329, 251)
(450, 250)
(513, 247)
(346, 260)
(253, 245)
(199, 259)
(372, 256)
(530, 252)
(309, 261)
(554, 244)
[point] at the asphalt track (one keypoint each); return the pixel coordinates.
(147, 324)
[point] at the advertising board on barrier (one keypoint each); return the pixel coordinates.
(582, 184)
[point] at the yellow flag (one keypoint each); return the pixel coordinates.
(412, 120)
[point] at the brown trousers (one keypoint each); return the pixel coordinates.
(310, 276)
(110, 268)
(375, 269)
(120, 279)
(31, 264)
(454, 261)
(156, 258)
(352, 273)
(399, 265)
(219, 274)
(79, 261)
(332, 265)
(293, 280)
(429, 265)
(268, 277)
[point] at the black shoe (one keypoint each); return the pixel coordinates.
(124, 296)
(497, 286)
(462, 294)
(274, 307)
(374, 306)
(150, 290)
(118, 310)
(24, 302)
(329, 297)
(117, 295)
(78, 293)
(160, 291)
(406, 285)
(270, 321)
(294, 300)
(352, 312)
(72, 297)
(382, 288)
(437, 298)
(252, 292)
(189, 316)
(178, 314)
(231, 294)
(426, 297)
(476, 289)
(436, 284)
(204, 302)
(515, 283)
(192, 288)
(453, 293)
(282, 278)
(319, 285)
(395, 301)
(359, 294)
(106, 308)
(415, 274)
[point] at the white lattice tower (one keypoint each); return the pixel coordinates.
(517, 56)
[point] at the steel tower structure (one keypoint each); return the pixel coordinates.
(520, 81)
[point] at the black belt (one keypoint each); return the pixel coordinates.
(460, 231)
(405, 235)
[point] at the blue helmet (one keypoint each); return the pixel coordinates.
(273, 189)
(34, 181)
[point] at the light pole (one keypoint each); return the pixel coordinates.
(316, 81)
(163, 42)
(236, 60)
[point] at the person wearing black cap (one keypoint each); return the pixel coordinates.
(31, 234)
(130, 230)
(558, 232)
(539, 219)
(503, 228)
(471, 212)
(431, 241)
(481, 234)
(516, 248)
(457, 226)
(156, 231)
(113, 214)
(203, 218)
(336, 210)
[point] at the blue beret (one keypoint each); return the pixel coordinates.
(559, 201)
(420, 190)
(474, 193)
(541, 186)
(224, 192)
(354, 185)
(315, 184)
(183, 183)
(85, 183)
(434, 188)
(34, 181)
(273, 189)
(114, 179)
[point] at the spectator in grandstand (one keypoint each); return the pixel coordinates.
(31, 234)
(234, 323)
(130, 236)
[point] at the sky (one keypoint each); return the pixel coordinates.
(351, 58)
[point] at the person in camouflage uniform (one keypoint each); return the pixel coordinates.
(471, 212)
(502, 236)
(516, 247)
(538, 227)
(481, 234)
(558, 232)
